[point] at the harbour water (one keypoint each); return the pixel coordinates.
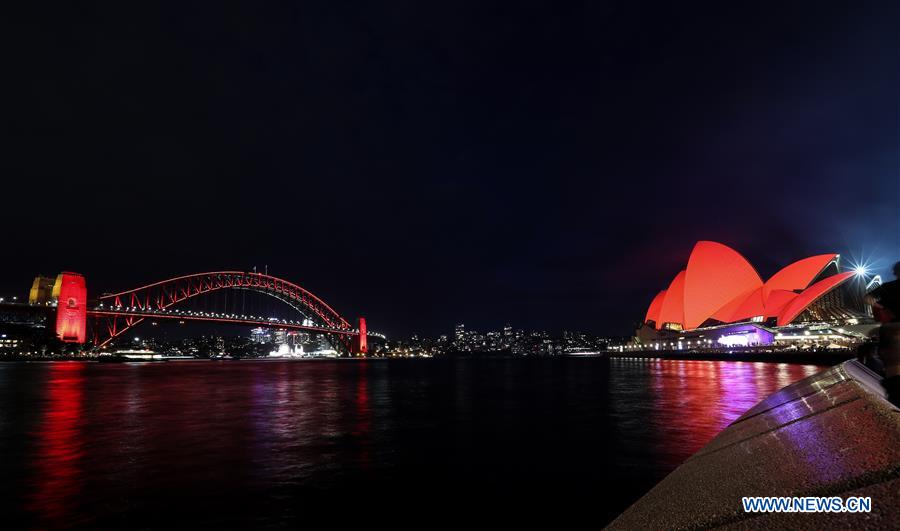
(409, 443)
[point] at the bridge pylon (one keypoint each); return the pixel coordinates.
(71, 308)
(361, 343)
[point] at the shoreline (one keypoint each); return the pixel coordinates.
(806, 358)
(803, 440)
(802, 358)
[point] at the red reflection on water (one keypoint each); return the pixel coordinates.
(695, 400)
(363, 415)
(56, 463)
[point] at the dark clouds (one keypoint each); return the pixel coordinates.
(544, 164)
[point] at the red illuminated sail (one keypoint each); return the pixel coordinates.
(798, 275)
(751, 306)
(716, 276)
(777, 300)
(719, 285)
(810, 295)
(655, 307)
(672, 308)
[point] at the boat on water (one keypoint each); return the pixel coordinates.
(131, 356)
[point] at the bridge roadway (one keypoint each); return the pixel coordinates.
(136, 312)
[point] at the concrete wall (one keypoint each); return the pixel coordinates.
(832, 434)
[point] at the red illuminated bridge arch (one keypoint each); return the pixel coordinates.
(124, 310)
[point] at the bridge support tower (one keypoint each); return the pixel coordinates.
(71, 307)
(361, 345)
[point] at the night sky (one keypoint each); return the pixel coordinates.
(543, 164)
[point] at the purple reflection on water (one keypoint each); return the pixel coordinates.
(695, 400)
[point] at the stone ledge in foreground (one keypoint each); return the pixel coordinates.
(832, 434)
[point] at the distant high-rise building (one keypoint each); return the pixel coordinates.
(261, 335)
(459, 336)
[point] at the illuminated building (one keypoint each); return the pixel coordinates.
(261, 335)
(9, 342)
(462, 340)
(720, 293)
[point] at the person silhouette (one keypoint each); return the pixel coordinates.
(885, 303)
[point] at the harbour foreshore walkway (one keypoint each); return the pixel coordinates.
(832, 434)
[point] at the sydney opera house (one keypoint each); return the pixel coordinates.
(720, 300)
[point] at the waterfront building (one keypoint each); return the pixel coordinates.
(261, 335)
(719, 300)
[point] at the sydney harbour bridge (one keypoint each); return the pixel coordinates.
(100, 321)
